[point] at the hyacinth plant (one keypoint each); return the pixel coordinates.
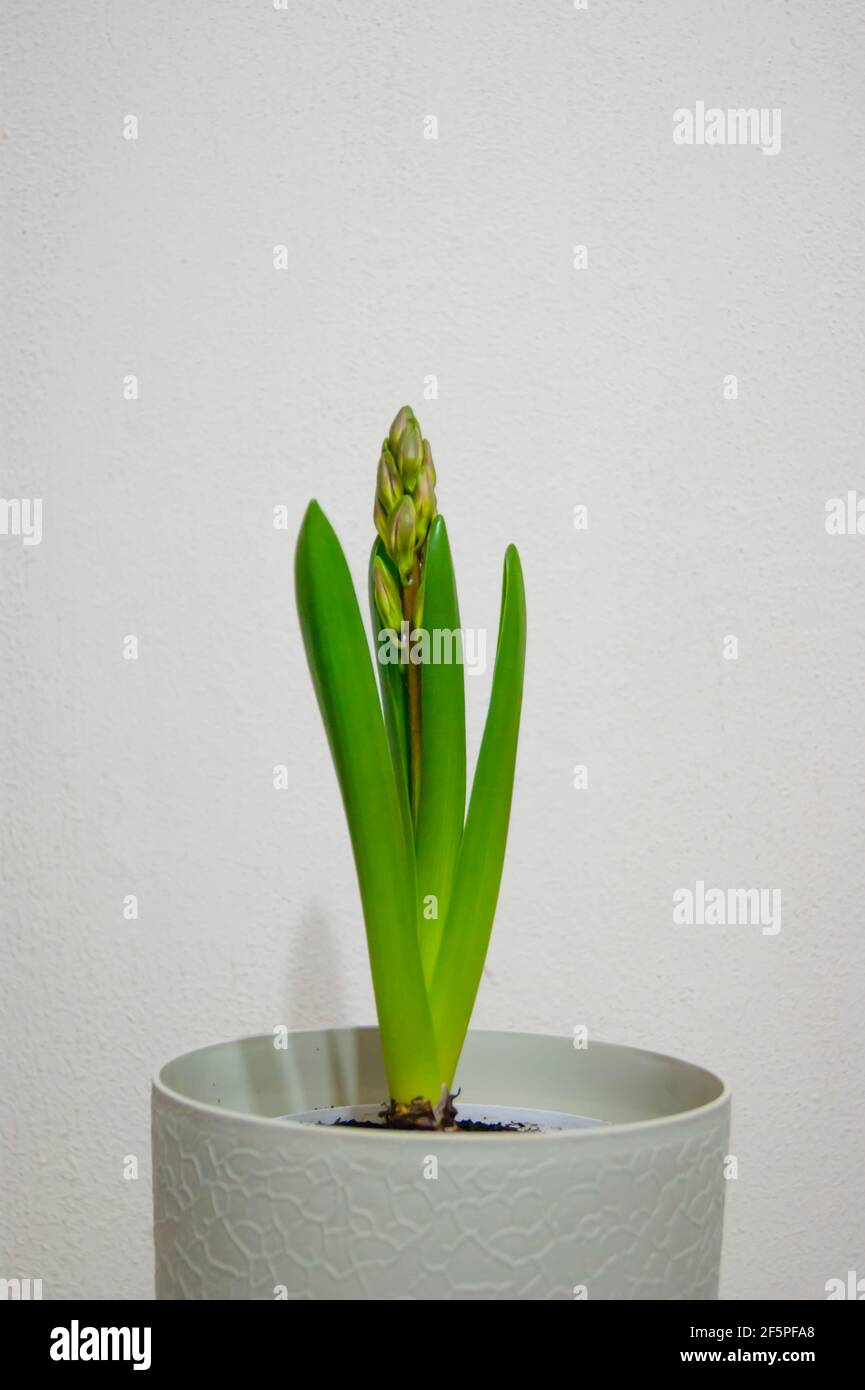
(428, 872)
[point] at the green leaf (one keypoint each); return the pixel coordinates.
(443, 743)
(339, 661)
(394, 696)
(479, 867)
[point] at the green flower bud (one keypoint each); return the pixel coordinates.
(409, 455)
(405, 500)
(387, 596)
(428, 462)
(424, 504)
(401, 419)
(401, 538)
(389, 487)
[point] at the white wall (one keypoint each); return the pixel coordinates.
(261, 387)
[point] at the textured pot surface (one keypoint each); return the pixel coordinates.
(248, 1205)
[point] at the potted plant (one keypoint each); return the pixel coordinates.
(408, 1161)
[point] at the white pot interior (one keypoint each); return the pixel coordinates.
(603, 1082)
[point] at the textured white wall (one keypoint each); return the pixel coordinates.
(557, 386)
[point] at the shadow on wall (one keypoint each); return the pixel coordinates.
(313, 986)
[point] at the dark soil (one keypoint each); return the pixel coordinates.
(420, 1115)
(461, 1126)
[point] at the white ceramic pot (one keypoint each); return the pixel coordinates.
(249, 1205)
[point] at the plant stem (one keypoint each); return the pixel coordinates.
(409, 594)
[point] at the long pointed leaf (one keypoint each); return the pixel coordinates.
(339, 661)
(479, 868)
(443, 744)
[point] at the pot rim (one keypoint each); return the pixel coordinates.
(595, 1134)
